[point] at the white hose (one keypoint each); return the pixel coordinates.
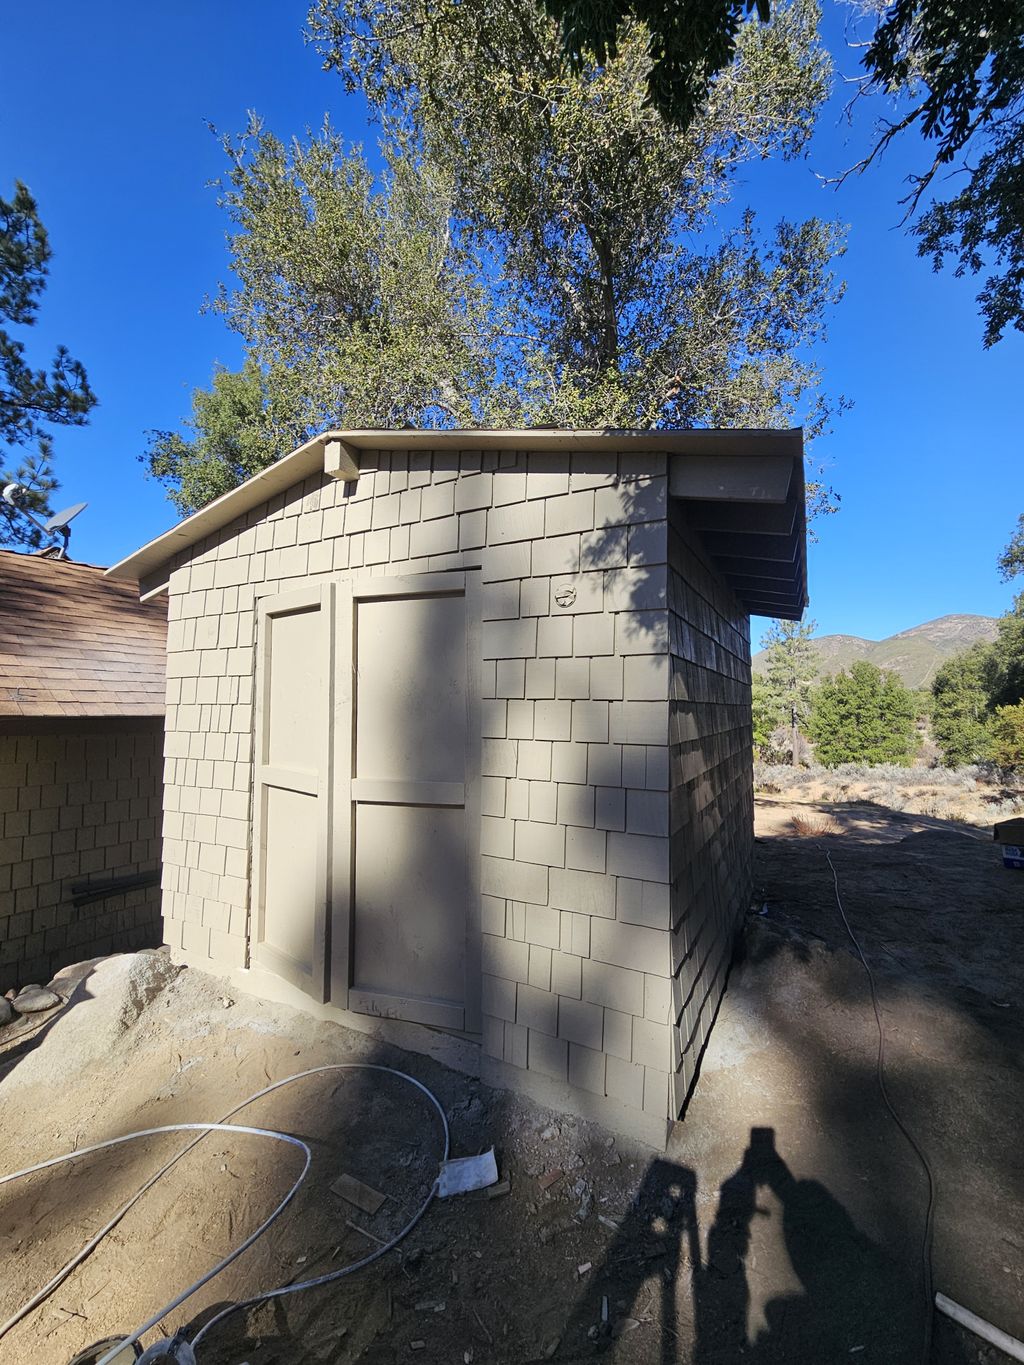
(202, 1129)
(1010, 1346)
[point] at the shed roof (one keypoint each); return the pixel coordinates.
(744, 491)
(75, 643)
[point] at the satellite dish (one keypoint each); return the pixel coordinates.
(58, 525)
(60, 521)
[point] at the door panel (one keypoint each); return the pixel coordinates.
(290, 876)
(404, 939)
(411, 679)
(410, 911)
(292, 787)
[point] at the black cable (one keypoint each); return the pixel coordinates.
(926, 1244)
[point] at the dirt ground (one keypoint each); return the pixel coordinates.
(784, 1223)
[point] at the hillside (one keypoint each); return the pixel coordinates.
(913, 654)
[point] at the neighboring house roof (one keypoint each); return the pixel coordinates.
(74, 643)
(744, 491)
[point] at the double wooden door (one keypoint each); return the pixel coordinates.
(366, 796)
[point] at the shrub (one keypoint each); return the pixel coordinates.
(864, 715)
(1007, 744)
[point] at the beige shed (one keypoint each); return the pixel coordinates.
(458, 741)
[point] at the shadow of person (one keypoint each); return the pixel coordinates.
(853, 1301)
(636, 1283)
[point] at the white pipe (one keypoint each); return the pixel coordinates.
(993, 1335)
(180, 1128)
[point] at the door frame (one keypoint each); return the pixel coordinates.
(465, 583)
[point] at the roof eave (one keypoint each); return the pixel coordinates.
(736, 476)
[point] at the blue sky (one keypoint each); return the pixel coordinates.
(105, 117)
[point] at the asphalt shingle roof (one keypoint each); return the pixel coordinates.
(73, 643)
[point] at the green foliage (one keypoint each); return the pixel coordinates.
(978, 694)
(1008, 736)
(784, 694)
(355, 304)
(1011, 562)
(690, 42)
(542, 247)
(238, 426)
(961, 712)
(768, 719)
(31, 399)
(863, 716)
(590, 209)
(1007, 684)
(962, 67)
(924, 703)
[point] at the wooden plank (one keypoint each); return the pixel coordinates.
(353, 1191)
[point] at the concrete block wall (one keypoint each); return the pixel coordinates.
(76, 805)
(712, 793)
(576, 871)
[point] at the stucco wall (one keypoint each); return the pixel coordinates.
(712, 798)
(576, 872)
(76, 804)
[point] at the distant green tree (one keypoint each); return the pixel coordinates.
(31, 400)
(924, 703)
(961, 714)
(863, 716)
(1007, 745)
(1007, 683)
(1011, 562)
(791, 668)
(768, 719)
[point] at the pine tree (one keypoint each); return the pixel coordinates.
(961, 718)
(31, 400)
(863, 716)
(792, 667)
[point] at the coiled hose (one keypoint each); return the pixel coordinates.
(222, 1125)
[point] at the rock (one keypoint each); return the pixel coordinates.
(34, 999)
(6, 1013)
(549, 1133)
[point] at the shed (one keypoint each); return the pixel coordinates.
(459, 740)
(82, 677)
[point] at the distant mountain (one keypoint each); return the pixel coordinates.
(913, 654)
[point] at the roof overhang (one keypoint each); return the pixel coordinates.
(744, 492)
